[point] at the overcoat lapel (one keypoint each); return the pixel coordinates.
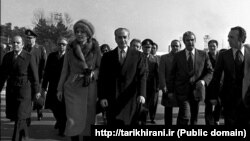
(230, 58)
(126, 62)
(246, 79)
(198, 60)
(184, 61)
(116, 57)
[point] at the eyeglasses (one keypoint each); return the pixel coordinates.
(16, 42)
(62, 44)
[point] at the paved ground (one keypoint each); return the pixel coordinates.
(44, 130)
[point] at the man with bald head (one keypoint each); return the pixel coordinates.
(20, 72)
(122, 81)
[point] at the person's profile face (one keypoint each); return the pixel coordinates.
(136, 46)
(233, 38)
(122, 38)
(189, 42)
(17, 43)
(153, 49)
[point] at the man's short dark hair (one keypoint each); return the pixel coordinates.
(188, 33)
(121, 28)
(175, 40)
(135, 40)
(213, 41)
(242, 33)
(105, 46)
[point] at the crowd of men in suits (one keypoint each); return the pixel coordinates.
(131, 76)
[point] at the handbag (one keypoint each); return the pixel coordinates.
(39, 103)
(86, 77)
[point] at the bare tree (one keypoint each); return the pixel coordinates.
(68, 20)
(38, 15)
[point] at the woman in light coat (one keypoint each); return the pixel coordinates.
(78, 81)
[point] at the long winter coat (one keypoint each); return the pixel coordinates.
(122, 84)
(21, 75)
(80, 101)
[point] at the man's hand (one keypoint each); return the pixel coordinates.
(43, 93)
(200, 83)
(104, 103)
(141, 99)
(164, 90)
(170, 95)
(213, 101)
(38, 95)
(59, 95)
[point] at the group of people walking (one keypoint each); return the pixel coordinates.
(125, 82)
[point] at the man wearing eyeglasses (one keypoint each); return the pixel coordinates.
(40, 56)
(51, 79)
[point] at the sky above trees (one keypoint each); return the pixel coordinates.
(160, 20)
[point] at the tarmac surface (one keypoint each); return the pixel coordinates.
(44, 130)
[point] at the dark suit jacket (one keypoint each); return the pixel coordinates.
(21, 75)
(122, 84)
(181, 83)
(225, 63)
(51, 78)
(164, 75)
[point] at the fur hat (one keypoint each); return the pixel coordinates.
(86, 25)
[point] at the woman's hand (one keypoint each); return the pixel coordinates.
(59, 95)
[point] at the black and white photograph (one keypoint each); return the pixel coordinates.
(84, 70)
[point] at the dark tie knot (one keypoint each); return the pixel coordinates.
(122, 51)
(238, 57)
(190, 62)
(122, 56)
(190, 53)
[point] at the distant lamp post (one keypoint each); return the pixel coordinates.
(58, 16)
(206, 40)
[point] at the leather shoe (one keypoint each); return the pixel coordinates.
(39, 116)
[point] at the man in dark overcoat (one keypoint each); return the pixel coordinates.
(51, 79)
(20, 71)
(122, 81)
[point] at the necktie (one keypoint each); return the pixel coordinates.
(238, 58)
(15, 56)
(190, 62)
(28, 48)
(122, 56)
